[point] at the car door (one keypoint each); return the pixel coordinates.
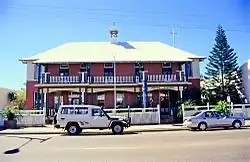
(98, 118)
(82, 116)
(66, 115)
(224, 119)
(210, 118)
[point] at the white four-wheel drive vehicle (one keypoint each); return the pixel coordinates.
(75, 118)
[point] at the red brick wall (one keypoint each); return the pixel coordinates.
(53, 69)
(130, 98)
(121, 68)
(175, 67)
(155, 97)
(109, 99)
(125, 69)
(30, 89)
(90, 99)
(51, 100)
(74, 69)
(195, 82)
(97, 69)
(153, 68)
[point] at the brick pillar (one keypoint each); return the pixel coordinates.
(155, 97)
(65, 95)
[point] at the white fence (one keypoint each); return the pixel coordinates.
(28, 118)
(31, 118)
(138, 115)
(242, 110)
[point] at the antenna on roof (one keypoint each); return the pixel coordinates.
(174, 33)
(113, 33)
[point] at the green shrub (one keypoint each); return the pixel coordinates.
(222, 106)
(11, 112)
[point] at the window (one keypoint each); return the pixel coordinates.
(167, 71)
(166, 65)
(46, 68)
(64, 66)
(100, 99)
(108, 65)
(197, 113)
(36, 99)
(108, 72)
(220, 114)
(36, 71)
(67, 110)
(64, 70)
(166, 68)
(96, 112)
(209, 114)
(81, 110)
(84, 68)
(139, 65)
(119, 99)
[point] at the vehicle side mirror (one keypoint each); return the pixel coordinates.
(101, 114)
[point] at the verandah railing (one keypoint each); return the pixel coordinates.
(83, 78)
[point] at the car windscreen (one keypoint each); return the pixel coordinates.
(195, 114)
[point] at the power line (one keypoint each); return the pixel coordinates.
(101, 9)
(126, 16)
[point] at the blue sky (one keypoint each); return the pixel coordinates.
(28, 27)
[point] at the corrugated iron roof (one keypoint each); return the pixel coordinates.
(105, 51)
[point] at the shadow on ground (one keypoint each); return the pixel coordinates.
(17, 150)
(100, 134)
(220, 129)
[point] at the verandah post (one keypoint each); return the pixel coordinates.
(183, 111)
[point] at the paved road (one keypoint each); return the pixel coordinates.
(181, 146)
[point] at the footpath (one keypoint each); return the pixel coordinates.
(49, 129)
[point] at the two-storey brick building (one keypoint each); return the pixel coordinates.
(85, 72)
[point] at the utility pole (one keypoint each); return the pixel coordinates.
(114, 64)
(173, 35)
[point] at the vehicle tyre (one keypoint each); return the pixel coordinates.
(117, 128)
(202, 126)
(237, 124)
(73, 129)
(80, 131)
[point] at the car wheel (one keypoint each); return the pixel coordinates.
(73, 129)
(117, 128)
(237, 124)
(202, 126)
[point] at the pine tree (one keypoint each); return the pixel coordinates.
(222, 71)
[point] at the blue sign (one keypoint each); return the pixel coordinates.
(144, 90)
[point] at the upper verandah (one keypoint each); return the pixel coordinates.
(77, 52)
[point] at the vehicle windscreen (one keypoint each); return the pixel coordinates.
(195, 114)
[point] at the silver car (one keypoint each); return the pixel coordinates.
(212, 119)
